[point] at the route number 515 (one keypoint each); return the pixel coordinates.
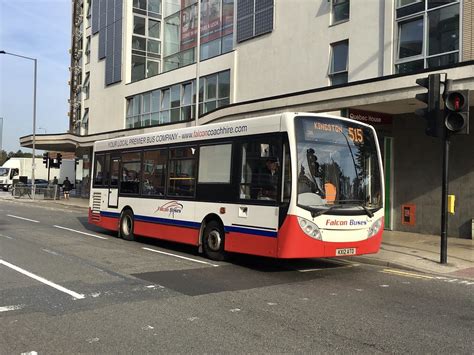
(355, 134)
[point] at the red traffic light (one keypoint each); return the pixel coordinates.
(456, 110)
(455, 101)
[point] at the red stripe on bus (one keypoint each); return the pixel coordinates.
(251, 244)
(166, 232)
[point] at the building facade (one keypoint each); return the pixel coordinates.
(141, 65)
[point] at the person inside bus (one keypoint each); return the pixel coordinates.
(268, 179)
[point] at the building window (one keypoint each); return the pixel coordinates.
(86, 86)
(88, 49)
(146, 39)
(340, 10)
(168, 105)
(89, 14)
(214, 92)
(147, 7)
(428, 34)
(254, 18)
(180, 31)
(339, 60)
(177, 103)
(85, 122)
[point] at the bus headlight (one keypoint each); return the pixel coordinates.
(310, 229)
(375, 227)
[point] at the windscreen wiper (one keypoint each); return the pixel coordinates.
(357, 203)
(319, 212)
(369, 212)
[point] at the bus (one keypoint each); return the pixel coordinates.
(289, 185)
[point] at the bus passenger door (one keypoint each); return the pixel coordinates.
(114, 182)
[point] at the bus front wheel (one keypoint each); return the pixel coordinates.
(126, 225)
(213, 241)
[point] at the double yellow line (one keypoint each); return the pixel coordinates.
(406, 274)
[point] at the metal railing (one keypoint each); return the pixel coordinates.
(49, 192)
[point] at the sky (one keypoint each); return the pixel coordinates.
(38, 29)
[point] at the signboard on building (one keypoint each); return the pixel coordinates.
(210, 20)
(372, 118)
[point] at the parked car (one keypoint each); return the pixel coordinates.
(39, 182)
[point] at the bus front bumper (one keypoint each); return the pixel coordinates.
(294, 243)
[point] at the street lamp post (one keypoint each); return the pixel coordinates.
(33, 166)
(1, 133)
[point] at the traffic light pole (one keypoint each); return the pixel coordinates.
(49, 169)
(444, 201)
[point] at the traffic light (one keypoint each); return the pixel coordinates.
(45, 159)
(432, 98)
(456, 111)
(59, 159)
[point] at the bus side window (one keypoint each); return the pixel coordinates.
(99, 170)
(260, 170)
(154, 172)
(114, 172)
(131, 173)
(286, 173)
(182, 172)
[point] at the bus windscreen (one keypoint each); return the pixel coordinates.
(338, 166)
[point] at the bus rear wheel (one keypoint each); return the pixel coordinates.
(213, 241)
(127, 224)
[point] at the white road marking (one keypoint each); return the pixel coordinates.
(233, 310)
(179, 256)
(11, 308)
(50, 251)
(308, 270)
(43, 280)
(30, 353)
(5, 236)
(76, 231)
(466, 282)
(23, 218)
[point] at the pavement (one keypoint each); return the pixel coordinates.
(403, 250)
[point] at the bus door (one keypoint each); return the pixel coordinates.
(114, 182)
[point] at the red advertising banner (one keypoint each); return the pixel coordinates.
(373, 118)
(188, 25)
(210, 20)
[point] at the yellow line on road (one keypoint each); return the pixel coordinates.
(406, 274)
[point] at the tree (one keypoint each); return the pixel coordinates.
(3, 157)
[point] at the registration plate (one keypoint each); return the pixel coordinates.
(346, 251)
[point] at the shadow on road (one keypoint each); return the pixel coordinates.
(256, 263)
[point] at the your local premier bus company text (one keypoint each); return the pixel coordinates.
(170, 137)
